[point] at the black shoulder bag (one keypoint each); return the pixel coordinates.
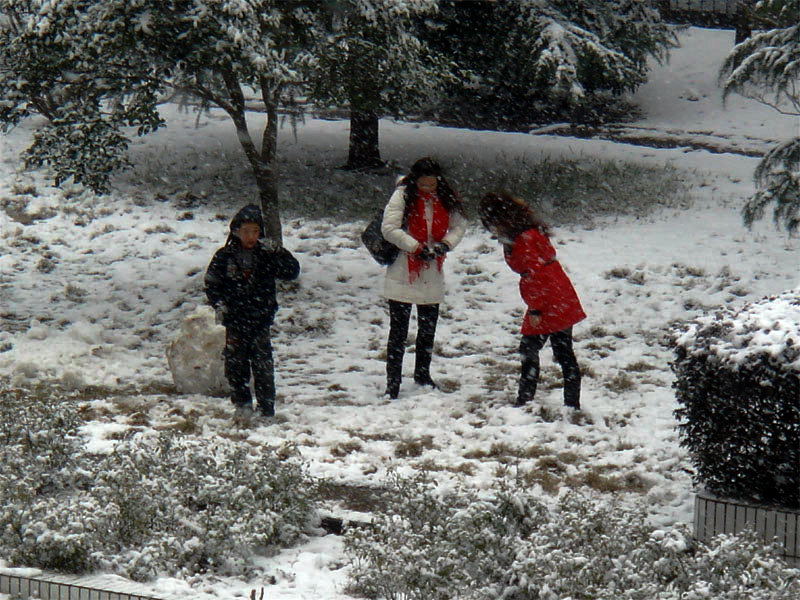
(382, 251)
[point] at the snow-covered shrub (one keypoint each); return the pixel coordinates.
(39, 446)
(738, 386)
(510, 546)
(197, 506)
(157, 504)
(54, 533)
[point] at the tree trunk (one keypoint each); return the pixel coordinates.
(364, 149)
(268, 181)
(264, 171)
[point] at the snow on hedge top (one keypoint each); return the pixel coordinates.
(769, 327)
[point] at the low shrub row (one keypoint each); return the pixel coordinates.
(510, 546)
(156, 504)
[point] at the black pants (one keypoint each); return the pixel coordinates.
(561, 342)
(245, 350)
(399, 316)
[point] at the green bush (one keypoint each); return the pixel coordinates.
(737, 381)
(509, 545)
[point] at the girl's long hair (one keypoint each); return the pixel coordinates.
(510, 214)
(429, 167)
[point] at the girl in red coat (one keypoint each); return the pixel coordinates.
(553, 305)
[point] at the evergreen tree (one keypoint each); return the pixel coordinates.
(96, 67)
(525, 60)
(374, 62)
(766, 67)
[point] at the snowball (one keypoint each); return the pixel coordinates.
(195, 355)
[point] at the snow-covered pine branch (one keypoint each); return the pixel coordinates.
(766, 67)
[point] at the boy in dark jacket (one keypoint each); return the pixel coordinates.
(240, 286)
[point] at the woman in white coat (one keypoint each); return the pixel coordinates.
(425, 220)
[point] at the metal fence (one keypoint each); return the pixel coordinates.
(50, 588)
(728, 14)
(718, 7)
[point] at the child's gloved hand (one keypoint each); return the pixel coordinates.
(269, 244)
(441, 248)
(426, 254)
(535, 319)
(219, 314)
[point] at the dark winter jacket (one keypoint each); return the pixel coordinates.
(544, 285)
(247, 295)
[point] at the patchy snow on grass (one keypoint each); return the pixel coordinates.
(93, 289)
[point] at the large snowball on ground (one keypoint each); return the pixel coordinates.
(195, 355)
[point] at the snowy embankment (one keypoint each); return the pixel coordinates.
(92, 290)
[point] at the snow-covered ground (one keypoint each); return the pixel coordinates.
(92, 290)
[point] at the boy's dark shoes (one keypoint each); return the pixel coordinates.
(519, 402)
(267, 409)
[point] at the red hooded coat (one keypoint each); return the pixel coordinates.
(544, 285)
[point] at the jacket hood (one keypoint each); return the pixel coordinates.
(248, 214)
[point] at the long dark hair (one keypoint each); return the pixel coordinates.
(427, 166)
(510, 214)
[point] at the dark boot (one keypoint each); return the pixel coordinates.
(237, 368)
(399, 314)
(427, 317)
(264, 374)
(394, 372)
(241, 397)
(528, 380)
(392, 388)
(529, 371)
(565, 357)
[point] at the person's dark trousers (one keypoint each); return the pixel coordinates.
(561, 342)
(245, 351)
(427, 317)
(399, 316)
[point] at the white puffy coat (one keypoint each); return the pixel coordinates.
(429, 287)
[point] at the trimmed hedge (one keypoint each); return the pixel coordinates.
(738, 386)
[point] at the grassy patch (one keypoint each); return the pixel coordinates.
(620, 383)
(431, 466)
(502, 452)
(411, 448)
(183, 427)
(549, 482)
(571, 190)
(598, 481)
(371, 437)
(345, 448)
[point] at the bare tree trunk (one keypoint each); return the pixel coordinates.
(364, 149)
(267, 178)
